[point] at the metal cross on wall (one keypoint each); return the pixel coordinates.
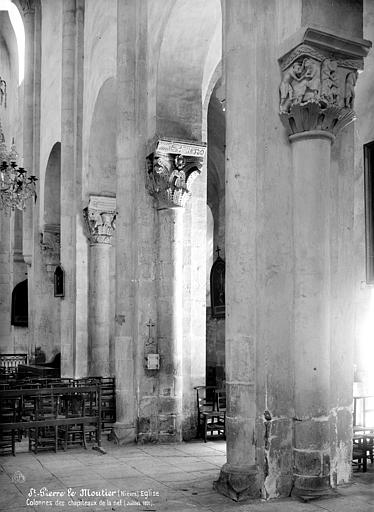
(150, 324)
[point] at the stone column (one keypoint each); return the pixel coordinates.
(28, 123)
(169, 322)
(129, 85)
(311, 152)
(316, 102)
(238, 478)
(99, 216)
(171, 170)
(73, 320)
(28, 9)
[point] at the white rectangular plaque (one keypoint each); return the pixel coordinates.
(181, 148)
(153, 361)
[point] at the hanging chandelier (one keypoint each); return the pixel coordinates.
(16, 187)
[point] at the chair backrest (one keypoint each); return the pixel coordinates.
(206, 398)
(221, 400)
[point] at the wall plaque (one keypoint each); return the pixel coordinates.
(181, 148)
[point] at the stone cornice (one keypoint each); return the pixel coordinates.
(171, 169)
(99, 217)
(327, 41)
(319, 74)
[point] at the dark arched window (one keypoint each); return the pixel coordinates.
(19, 316)
(59, 281)
(217, 288)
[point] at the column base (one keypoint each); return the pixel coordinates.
(312, 487)
(238, 482)
(123, 433)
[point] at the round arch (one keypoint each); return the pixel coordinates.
(189, 53)
(52, 187)
(216, 162)
(101, 175)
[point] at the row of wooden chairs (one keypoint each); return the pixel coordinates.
(52, 417)
(107, 384)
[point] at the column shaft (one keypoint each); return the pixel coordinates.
(28, 157)
(169, 322)
(99, 310)
(72, 311)
(28, 129)
(311, 167)
(126, 193)
(238, 478)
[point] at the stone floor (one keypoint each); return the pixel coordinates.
(179, 476)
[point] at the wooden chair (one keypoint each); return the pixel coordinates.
(359, 457)
(46, 407)
(72, 407)
(82, 404)
(363, 446)
(9, 413)
(210, 420)
(108, 399)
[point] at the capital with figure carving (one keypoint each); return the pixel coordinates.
(319, 75)
(100, 216)
(171, 170)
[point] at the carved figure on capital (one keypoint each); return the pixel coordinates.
(349, 93)
(317, 90)
(330, 93)
(103, 221)
(300, 83)
(50, 243)
(291, 89)
(100, 216)
(170, 175)
(312, 79)
(3, 94)
(27, 6)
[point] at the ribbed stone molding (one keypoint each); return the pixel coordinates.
(100, 216)
(171, 170)
(319, 74)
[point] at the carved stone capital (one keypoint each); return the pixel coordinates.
(50, 243)
(319, 75)
(171, 170)
(99, 217)
(27, 6)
